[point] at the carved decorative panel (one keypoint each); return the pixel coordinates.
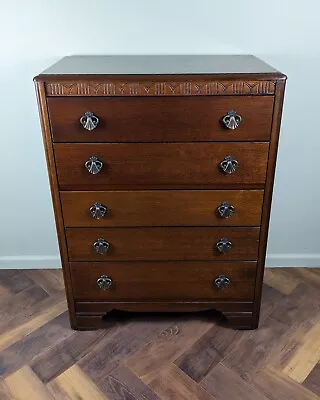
(187, 88)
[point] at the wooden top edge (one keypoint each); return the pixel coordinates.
(160, 65)
(168, 77)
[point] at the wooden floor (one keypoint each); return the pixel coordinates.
(149, 357)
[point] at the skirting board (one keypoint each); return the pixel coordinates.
(44, 262)
(29, 262)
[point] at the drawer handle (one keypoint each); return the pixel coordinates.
(229, 165)
(222, 281)
(89, 121)
(232, 120)
(98, 210)
(225, 210)
(104, 282)
(94, 165)
(224, 245)
(101, 246)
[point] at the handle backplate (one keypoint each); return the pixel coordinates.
(232, 120)
(224, 245)
(222, 281)
(94, 165)
(104, 282)
(229, 165)
(225, 210)
(89, 121)
(98, 210)
(101, 246)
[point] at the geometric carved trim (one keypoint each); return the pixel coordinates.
(169, 88)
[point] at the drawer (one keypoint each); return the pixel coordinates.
(189, 280)
(165, 164)
(160, 119)
(162, 208)
(134, 244)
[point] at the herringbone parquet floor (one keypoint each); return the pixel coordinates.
(164, 357)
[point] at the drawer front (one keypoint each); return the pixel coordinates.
(166, 164)
(134, 244)
(160, 119)
(152, 281)
(162, 208)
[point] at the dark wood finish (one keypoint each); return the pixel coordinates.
(53, 180)
(161, 141)
(273, 150)
(102, 307)
(130, 86)
(166, 281)
(160, 119)
(160, 164)
(133, 244)
(162, 208)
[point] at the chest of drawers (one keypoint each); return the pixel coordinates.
(161, 171)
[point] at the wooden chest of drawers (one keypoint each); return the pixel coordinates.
(161, 171)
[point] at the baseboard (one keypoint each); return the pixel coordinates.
(29, 262)
(293, 260)
(273, 260)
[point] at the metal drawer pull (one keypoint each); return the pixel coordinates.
(222, 281)
(89, 121)
(225, 210)
(94, 165)
(101, 246)
(104, 282)
(229, 165)
(224, 245)
(232, 120)
(98, 210)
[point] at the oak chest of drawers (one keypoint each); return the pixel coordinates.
(161, 171)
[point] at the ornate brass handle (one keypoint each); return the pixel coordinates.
(101, 246)
(229, 165)
(93, 165)
(225, 210)
(232, 120)
(89, 121)
(104, 282)
(222, 281)
(224, 245)
(98, 210)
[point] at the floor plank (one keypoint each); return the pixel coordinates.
(223, 384)
(24, 384)
(172, 383)
(73, 384)
(278, 386)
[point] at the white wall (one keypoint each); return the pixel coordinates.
(36, 33)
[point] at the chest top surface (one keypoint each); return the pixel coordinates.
(161, 65)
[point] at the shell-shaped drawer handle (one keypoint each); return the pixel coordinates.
(89, 121)
(98, 210)
(93, 165)
(104, 282)
(232, 120)
(101, 246)
(229, 165)
(222, 281)
(224, 245)
(225, 210)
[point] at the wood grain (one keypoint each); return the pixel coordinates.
(160, 119)
(163, 281)
(162, 208)
(160, 244)
(152, 164)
